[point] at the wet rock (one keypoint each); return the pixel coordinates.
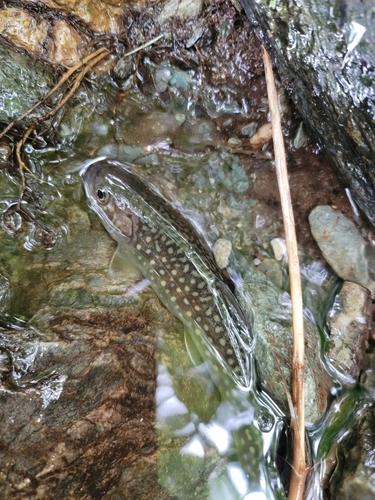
(332, 86)
(354, 476)
(23, 29)
(274, 348)
(300, 137)
(77, 408)
(101, 16)
(195, 36)
(367, 380)
(271, 268)
(65, 46)
(78, 385)
(249, 129)
(180, 8)
(349, 325)
(23, 82)
(343, 246)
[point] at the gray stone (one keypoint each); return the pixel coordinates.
(249, 129)
(349, 323)
(271, 268)
(342, 245)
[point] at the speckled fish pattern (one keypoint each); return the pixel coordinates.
(169, 251)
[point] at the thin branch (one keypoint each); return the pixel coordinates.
(147, 44)
(52, 91)
(72, 70)
(22, 165)
(299, 469)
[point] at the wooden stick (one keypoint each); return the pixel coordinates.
(299, 469)
(52, 91)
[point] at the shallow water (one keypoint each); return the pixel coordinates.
(181, 137)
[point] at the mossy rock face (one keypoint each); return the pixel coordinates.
(23, 82)
(332, 86)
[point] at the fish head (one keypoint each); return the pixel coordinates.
(111, 198)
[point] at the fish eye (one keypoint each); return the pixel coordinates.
(102, 195)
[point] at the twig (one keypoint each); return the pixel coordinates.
(299, 469)
(147, 44)
(68, 95)
(90, 61)
(62, 80)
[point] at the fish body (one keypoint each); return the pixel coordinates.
(168, 250)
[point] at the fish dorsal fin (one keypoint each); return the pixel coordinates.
(121, 269)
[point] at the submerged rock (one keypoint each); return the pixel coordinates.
(23, 82)
(349, 325)
(77, 395)
(354, 476)
(77, 408)
(343, 246)
(222, 250)
(274, 348)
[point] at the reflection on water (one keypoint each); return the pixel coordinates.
(233, 450)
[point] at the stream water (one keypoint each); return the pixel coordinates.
(191, 141)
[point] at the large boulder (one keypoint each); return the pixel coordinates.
(329, 77)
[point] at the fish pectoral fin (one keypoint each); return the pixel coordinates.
(191, 348)
(120, 269)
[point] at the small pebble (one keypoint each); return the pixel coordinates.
(262, 136)
(279, 248)
(249, 129)
(222, 251)
(301, 136)
(234, 141)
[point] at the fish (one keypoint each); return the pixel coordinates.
(169, 251)
(173, 255)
